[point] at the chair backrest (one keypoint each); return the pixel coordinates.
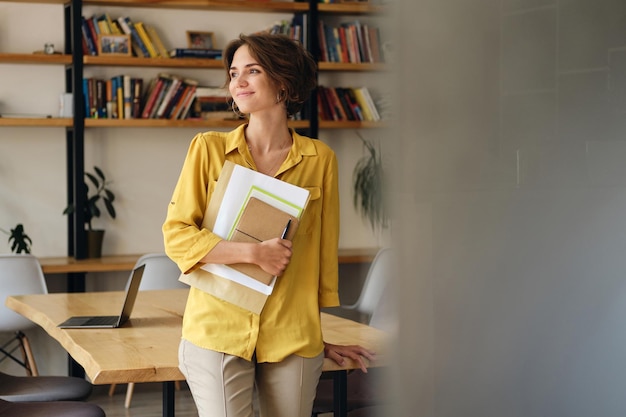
(20, 274)
(161, 272)
(377, 277)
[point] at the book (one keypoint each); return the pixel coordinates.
(169, 93)
(196, 53)
(128, 98)
(88, 38)
(155, 93)
(91, 25)
(276, 223)
(137, 44)
(137, 86)
(146, 40)
(157, 42)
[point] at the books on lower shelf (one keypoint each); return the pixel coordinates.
(212, 103)
(339, 103)
(145, 40)
(167, 96)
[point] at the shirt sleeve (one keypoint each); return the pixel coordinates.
(185, 241)
(329, 267)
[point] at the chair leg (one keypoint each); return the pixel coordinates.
(130, 389)
(27, 354)
(129, 394)
(112, 389)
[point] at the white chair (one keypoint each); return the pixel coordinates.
(374, 283)
(161, 273)
(20, 274)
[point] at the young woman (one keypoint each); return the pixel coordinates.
(225, 350)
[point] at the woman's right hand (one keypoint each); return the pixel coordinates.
(274, 255)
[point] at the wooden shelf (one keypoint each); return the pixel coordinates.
(42, 59)
(35, 122)
(351, 66)
(153, 62)
(217, 123)
(348, 124)
(350, 8)
(66, 264)
(227, 5)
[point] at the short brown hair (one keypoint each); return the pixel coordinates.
(287, 62)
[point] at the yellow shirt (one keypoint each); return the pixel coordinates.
(290, 320)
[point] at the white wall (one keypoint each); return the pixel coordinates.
(143, 164)
(512, 296)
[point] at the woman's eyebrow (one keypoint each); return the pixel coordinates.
(246, 66)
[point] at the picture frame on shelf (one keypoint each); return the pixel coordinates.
(200, 40)
(114, 45)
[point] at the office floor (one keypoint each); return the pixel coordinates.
(147, 401)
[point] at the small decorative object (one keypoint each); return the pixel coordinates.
(48, 49)
(200, 40)
(114, 45)
(368, 181)
(19, 241)
(102, 192)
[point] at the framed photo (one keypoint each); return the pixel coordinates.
(200, 40)
(114, 45)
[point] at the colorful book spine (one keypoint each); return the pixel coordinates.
(129, 28)
(156, 40)
(146, 39)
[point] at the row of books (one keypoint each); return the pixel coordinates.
(123, 97)
(295, 28)
(343, 103)
(145, 40)
(352, 42)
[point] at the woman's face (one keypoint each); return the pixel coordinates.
(249, 84)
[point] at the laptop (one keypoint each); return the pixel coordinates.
(104, 322)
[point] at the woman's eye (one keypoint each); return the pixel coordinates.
(233, 75)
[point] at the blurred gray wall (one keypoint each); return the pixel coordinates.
(510, 203)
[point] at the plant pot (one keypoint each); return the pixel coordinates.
(94, 243)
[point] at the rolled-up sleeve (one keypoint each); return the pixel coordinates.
(185, 241)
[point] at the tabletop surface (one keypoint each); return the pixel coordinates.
(145, 349)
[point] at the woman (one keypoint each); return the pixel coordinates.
(226, 350)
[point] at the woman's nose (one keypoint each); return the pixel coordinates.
(241, 80)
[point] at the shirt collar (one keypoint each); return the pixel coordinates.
(302, 145)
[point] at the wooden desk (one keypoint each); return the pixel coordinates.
(67, 265)
(145, 349)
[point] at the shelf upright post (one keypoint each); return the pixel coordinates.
(74, 138)
(314, 48)
(75, 135)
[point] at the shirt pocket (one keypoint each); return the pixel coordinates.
(313, 212)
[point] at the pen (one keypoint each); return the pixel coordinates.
(286, 229)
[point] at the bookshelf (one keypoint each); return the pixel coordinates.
(76, 63)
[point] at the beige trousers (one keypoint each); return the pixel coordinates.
(222, 385)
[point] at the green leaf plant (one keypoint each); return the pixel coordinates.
(19, 241)
(102, 192)
(368, 187)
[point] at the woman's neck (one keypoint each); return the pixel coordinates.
(267, 134)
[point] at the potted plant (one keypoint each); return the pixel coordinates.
(19, 241)
(92, 210)
(368, 187)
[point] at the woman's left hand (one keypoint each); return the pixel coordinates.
(354, 352)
